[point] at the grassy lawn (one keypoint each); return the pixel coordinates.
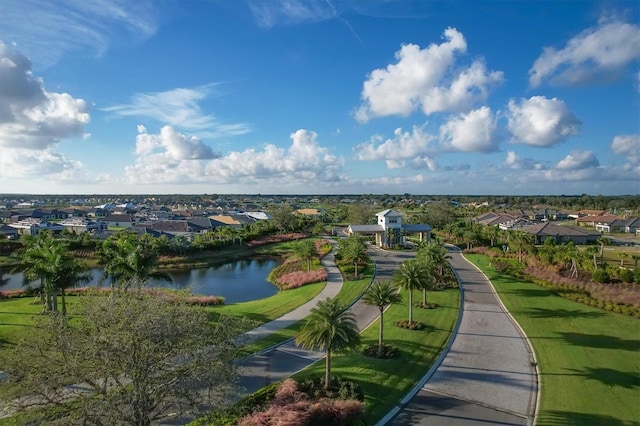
(589, 359)
(386, 382)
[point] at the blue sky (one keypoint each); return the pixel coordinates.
(320, 97)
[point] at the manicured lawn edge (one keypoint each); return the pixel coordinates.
(587, 357)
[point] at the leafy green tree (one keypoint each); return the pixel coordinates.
(361, 214)
(381, 294)
(139, 358)
(412, 275)
(330, 327)
(283, 217)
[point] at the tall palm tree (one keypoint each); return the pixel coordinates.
(354, 250)
(434, 253)
(381, 294)
(48, 259)
(129, 260)
(306, 251)
(35, 266)
(329, 326)
(412, 275)
(603, 241)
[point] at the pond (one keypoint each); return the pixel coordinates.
(237, 281)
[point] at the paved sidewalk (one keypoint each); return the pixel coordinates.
(487, 377)
(334, 284)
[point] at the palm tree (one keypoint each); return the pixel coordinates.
(603, 241)
(412, 275)
(48, 259)
(306, 251)
(35, 263)
(329, 326)
(622, 255)
(381, 294)
(434, 253)
(354, 250)
(129, 260)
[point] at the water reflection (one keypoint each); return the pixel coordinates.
(238, 281)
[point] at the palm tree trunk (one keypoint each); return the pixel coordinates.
(410, 307)
(424, 297)
(327, 370)
(380, 340)
(64, 302)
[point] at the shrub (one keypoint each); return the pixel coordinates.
(415, 325)
(625, 275)
(601, 275)
(388, 351)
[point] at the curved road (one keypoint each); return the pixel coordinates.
(282, 361)
(488, 375)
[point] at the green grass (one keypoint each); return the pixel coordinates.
(16, 316)
(589, 358)
(386, 382)
(270, 308)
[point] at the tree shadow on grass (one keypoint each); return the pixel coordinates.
(606, 376)
(564, 418)
(565, 313)
(600, 341)
(532, 292)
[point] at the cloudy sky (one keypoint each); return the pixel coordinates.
(320, 97)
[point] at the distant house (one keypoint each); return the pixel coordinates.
(8, 232)
(173, 227)
(119, 221)
(607, 224)
(235, 221)
(389, 231)
(560, 234)
(33, 227)
(79, 225)
(310, 212)
(632, 225)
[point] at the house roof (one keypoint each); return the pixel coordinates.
(171, 226)
(389, 213)
(118, 218)
(551, 229)
(366, 228)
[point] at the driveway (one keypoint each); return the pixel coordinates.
(487, 377)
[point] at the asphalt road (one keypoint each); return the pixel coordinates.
(487, 377)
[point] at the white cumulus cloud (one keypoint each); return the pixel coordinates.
(304, 162)
(403, 146)
(427, 79)
(469, 87)
(30, 116)
(628, 146)
(539, 121)
(475, 131)
(578, 160)
(600, 52)
(171, 145)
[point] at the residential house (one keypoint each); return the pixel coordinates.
(560, 234)
(33, 226)
(119, 221)
(632, 225)
(610, 223)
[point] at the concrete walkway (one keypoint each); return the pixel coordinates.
(488, 375)
(333, 287)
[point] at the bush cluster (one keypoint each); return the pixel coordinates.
(297, 404)
(415, 325)
(388, 351)
(279, 238)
